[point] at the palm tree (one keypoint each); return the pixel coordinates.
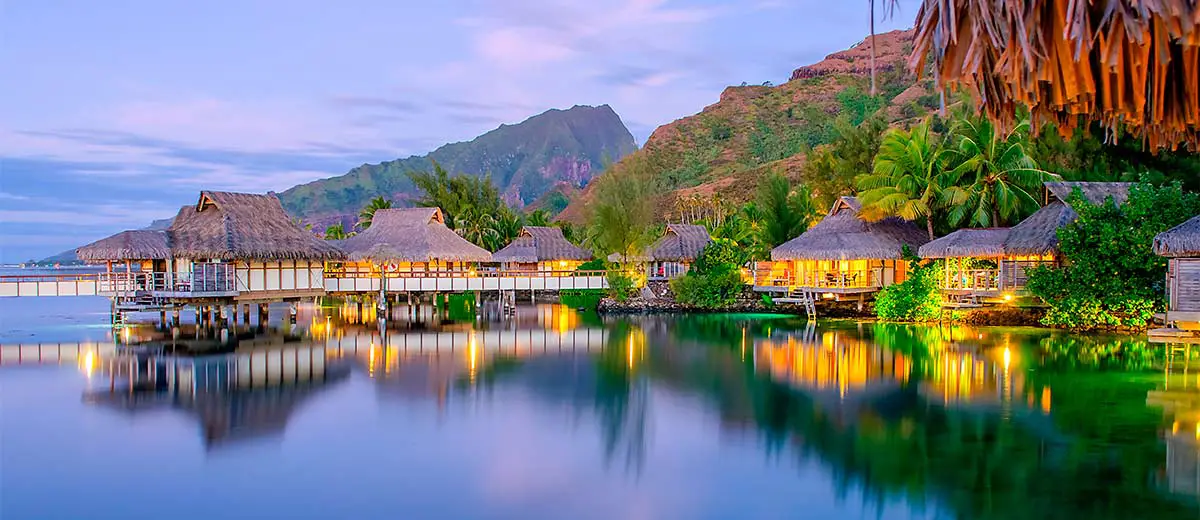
(908, 180)
(999, 175)
(479, 227)
(538, 217)
(785, 212)
(368, 212)
(335, 232)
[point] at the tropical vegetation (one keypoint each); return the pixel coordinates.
(1111, 277)
(715, 278)
(368, 212)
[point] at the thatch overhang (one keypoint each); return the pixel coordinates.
(412, 235)
(540, 244)
(1038, 233)
(1129, 65)
(1180, 241)
(843, 235)
(133, 245)
(967, 243)
(680, 243)
(243, 226)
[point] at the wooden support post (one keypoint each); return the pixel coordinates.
(162, 318)
(175, 317)
(198, 316)
(246, 313)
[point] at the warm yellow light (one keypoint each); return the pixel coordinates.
(89, 363)
(1008, 297)
(562, 263)
(1007, 358)
(827, 296)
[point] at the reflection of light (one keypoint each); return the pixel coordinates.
(630, 350)
(1007, 358)
(89, 363)
(472, 348)
(371, 360)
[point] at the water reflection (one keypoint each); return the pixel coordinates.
(898, 421)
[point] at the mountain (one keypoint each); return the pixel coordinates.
(525, 160)
(755, 129)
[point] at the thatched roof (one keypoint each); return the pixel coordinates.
(412, 235)
(680, 242)
(1094, 192)
(967, 243)
(843, 235)
(138, 244)
(540, 244)
(243, 226)
(1181, 240)
(1038, 233)
(1126, 64)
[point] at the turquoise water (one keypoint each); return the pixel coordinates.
(554, 413)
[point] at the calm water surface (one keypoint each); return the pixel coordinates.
(560, 414)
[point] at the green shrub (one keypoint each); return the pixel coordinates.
(916, 299)
(712, 290)
(595, 264)
(621, 286)
(580, 298)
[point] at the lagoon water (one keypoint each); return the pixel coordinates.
(555, 413)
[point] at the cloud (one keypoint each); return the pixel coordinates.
(377, 104)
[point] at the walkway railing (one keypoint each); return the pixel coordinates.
(972, 280)
(823, 279)
(355, 272)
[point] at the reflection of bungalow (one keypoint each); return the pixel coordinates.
(672, 255)
(543, 249)
(1181, 246)
(842, 254)
(407, 242)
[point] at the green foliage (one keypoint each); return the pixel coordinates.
(712, 290)
(996, 178)
(909, 179)
(621, 286)
(1084, 156)
(580, 298)
(457, 194)
(622, 210)
(830, 170)
(336, 232)
(1112, 277)
(538, 217)
(595, 264)
(368, 213)
(858, 105)
(916, 299)
(786, 213)
(715, 279)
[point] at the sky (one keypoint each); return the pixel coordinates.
(116, 113)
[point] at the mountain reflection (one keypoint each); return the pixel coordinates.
(974, 422)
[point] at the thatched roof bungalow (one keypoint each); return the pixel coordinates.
(1037, 235)
(1181, 245)
(845, 252)
(543, 248)
(412, 235)
(132, 246)
(967, 243)
(672, 254)
(243, 226)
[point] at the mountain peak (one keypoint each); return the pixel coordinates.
(525, 160)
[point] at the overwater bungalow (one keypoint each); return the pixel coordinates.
(843, 254)
(1034, 241)
(405, 243)
(145, 248)
(672, 255)
(243, 246)
(541, 249)
(1181, 246)
(974, 260)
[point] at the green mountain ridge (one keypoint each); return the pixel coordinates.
(525, 160)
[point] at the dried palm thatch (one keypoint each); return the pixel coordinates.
(967, 243)
(1038, 234)
(412, 235)
(540, 244)
(138, 244)
(843, 235)
(243, 226)
(680, 243)
(1181, 240)
(1127, 64)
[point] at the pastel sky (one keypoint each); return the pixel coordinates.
(115, 113)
